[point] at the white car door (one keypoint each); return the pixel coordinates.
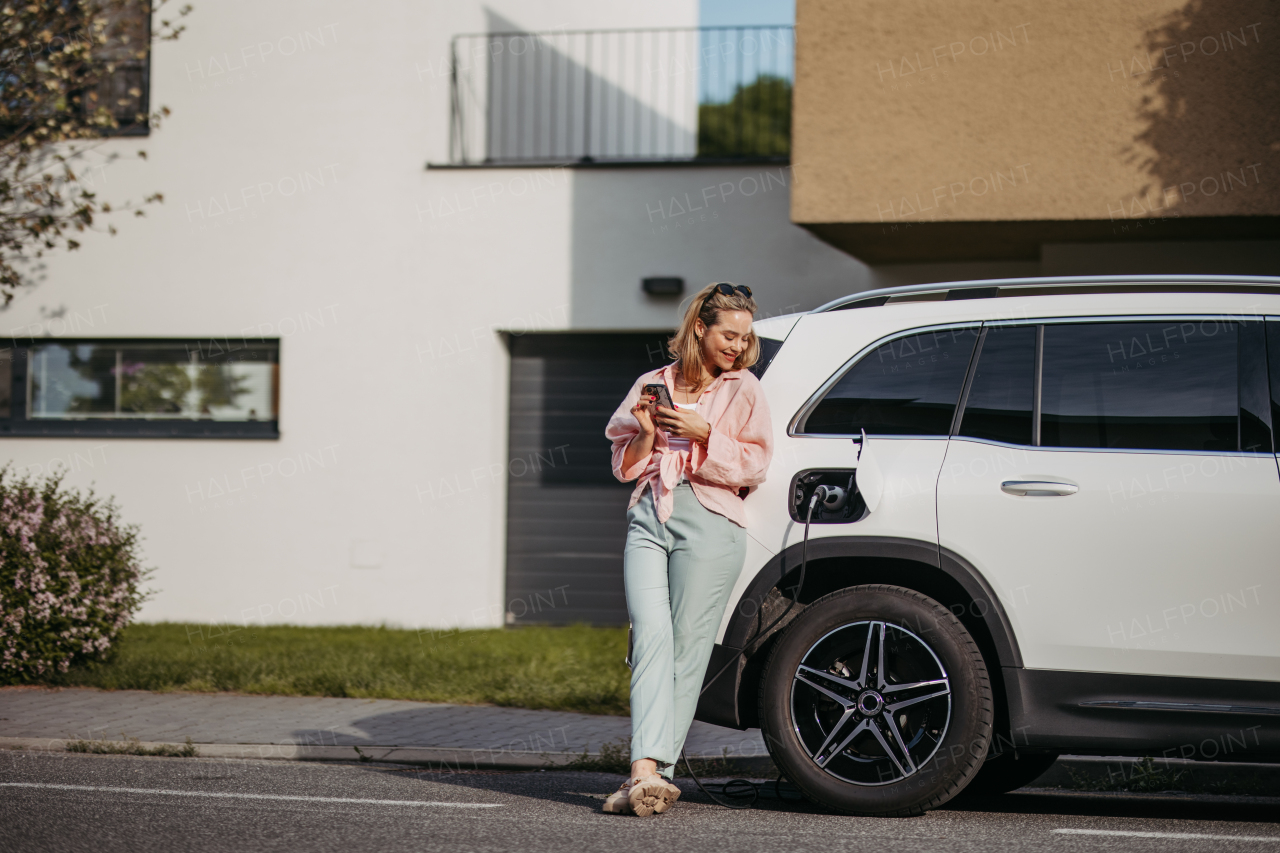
(1097, 481)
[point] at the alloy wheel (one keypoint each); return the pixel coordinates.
(870, 703)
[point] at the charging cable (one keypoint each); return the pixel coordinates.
(745, 791)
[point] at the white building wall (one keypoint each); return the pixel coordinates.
(297, 206)
(704, 224)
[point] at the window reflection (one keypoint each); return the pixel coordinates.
(152, 381)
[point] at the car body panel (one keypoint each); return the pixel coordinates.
(1158, 565)
(908, 510)
(820, 345)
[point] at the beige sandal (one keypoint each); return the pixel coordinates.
(651, 795)
(619, 802)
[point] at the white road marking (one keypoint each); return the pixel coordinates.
(171, 793)
(1187, 835)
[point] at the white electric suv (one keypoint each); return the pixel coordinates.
(1051, 524)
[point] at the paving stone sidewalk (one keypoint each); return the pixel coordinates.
(330, 727)
(228, 725)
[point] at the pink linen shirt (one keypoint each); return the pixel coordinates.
(736, 455)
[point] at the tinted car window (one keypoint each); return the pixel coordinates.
(1000, 397)
(768, 349)
(908, 386)
(1161, 386)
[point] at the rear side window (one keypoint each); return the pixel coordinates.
(768, 349)
(999, 406)
(1157, 385)
(908, 386)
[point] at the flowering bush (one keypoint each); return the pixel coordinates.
(69, 577)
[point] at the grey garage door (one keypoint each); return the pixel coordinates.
(566, 514)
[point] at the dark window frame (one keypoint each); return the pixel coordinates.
(17, 425)
(1254, 421)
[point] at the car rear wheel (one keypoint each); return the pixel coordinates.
(876, 701)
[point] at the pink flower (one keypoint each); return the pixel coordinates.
(69, 573)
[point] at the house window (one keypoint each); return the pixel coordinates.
(194, 388)
(120, 80)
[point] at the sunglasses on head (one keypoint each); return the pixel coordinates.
(728, 289)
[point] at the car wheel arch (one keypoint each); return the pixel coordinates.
(838, 562)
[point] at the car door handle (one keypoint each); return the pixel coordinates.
(1038, 488)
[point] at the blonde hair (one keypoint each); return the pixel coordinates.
(686, 346)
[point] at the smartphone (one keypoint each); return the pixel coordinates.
(660, 391)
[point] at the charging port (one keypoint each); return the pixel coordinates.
(843, 505)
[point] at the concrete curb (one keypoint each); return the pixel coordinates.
(1067, 772)
(430, 756)
(434, 756)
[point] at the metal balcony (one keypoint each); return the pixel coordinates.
(714, 94)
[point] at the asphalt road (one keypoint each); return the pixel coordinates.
(68, 802)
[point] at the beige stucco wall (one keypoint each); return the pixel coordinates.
(980, 111)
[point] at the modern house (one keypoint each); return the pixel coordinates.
(356, 368)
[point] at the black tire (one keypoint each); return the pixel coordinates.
(883, 750)
(1004, 773)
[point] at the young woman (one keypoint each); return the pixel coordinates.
(685, 541)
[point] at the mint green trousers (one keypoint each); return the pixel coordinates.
(678, 577)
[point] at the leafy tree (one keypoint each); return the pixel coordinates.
(71, 73)
(755, 122)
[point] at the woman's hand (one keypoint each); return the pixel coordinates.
(642, 411)
(642, 444)
(684, 424)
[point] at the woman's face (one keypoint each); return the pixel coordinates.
(726, 340)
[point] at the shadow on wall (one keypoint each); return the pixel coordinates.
(1212, 110)
(549, 98)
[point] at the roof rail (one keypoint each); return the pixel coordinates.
(994, 287)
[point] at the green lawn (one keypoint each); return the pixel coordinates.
(575, 668)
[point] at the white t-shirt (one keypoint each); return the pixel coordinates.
(684, 444)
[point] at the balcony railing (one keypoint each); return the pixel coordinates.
(713, 93)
